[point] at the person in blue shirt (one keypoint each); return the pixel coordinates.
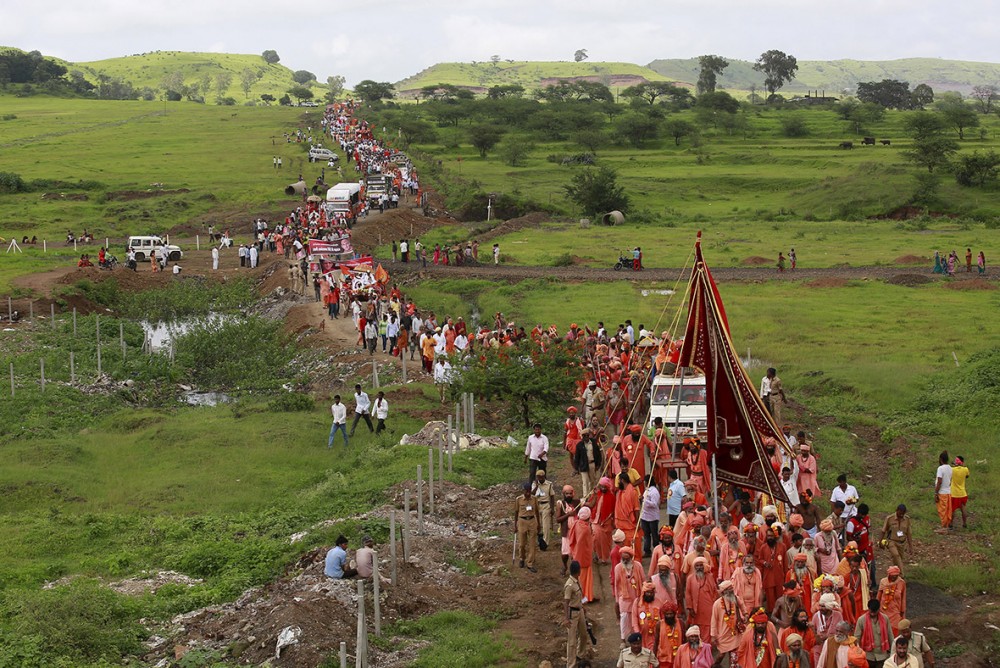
(675, 497)
(336, 561)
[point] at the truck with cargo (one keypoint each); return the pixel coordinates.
(344, 199)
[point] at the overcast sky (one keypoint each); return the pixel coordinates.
(388, 40)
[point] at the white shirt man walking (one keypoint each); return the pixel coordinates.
(215, 258)
(339, 412)
(362, 409)
(381, 409)
(536, 452)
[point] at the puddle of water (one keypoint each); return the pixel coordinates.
(193, 398)
(161, 333)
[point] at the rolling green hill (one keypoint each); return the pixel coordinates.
(150, 69)
(480, 76)
(836, 75)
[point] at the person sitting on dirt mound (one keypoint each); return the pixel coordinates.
(336, 566)
(85, 261)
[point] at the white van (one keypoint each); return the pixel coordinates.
(668, 395)
(322, 154)
(144, 246)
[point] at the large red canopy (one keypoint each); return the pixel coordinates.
(738, 422)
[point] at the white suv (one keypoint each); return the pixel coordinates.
(146, 246)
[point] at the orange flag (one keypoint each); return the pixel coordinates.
(381, 275)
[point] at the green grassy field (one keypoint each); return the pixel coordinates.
(833, 76)
(223, 156)
(149, 69)
(524, 73)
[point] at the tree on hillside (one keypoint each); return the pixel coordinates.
(978, 169)
(777, 68)
(373, 92)
(581, 91)
(957, 113)
(678, 128)
(223, 80)
(303, 76)
(596, 192)
(335, 88)
(300, 93)
(636, 128)
(270, 57)
(248, 78)
(484, 137)
(931, 148)
(267, 98)
(173, 83)
(985, 96)
(922, 96)
(580, 55)
(591, 139)
(514, 149)
(532, 384)
(495, 59)
(504, 91)
(864, 115)
(888, 93)
(651, 91)
(711, 68)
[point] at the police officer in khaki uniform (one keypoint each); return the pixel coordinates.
(545, 495)
(635, 655)
(896, 533)
(576, 619)
(526, 519)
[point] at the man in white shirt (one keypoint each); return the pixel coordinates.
(536, 452)
(381, 409)
(765, 391)
(362, 409)
(649, 518)
(789, 483)
(942, 491)
(631, 331)
(215, 258)
(339, 412)
(846, 493)
(404, 250)
(442, 375)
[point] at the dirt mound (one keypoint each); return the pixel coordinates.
(974, 284)
(78, 197)
(533, 219)
(401, 223)
(831, 282)
(911, 259)
(755, 261)
(909, 280)
(456, 562)
(129, 195)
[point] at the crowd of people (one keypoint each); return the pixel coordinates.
(702, 577)
(947, 265)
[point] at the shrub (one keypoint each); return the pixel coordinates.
(794, 126)
(291, 402)
(564, 260)
(11, 183)
(82, 620)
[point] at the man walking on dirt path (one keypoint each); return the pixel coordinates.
(362, 409)
(896, 533)
(526, 519)
(576, 618)
(339, 412)
(536, 452)
(496, 254)
(546, 497)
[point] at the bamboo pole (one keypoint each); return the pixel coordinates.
(392, 547)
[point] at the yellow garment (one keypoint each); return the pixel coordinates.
(958, 476)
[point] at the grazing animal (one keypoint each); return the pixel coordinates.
(885, 142)
(868, 141)
(846, 144)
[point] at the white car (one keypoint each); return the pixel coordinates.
(144, 246)
(322, 154)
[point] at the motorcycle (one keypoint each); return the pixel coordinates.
(624, 261)
(110, 262)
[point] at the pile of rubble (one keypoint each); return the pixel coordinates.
(430, 435)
